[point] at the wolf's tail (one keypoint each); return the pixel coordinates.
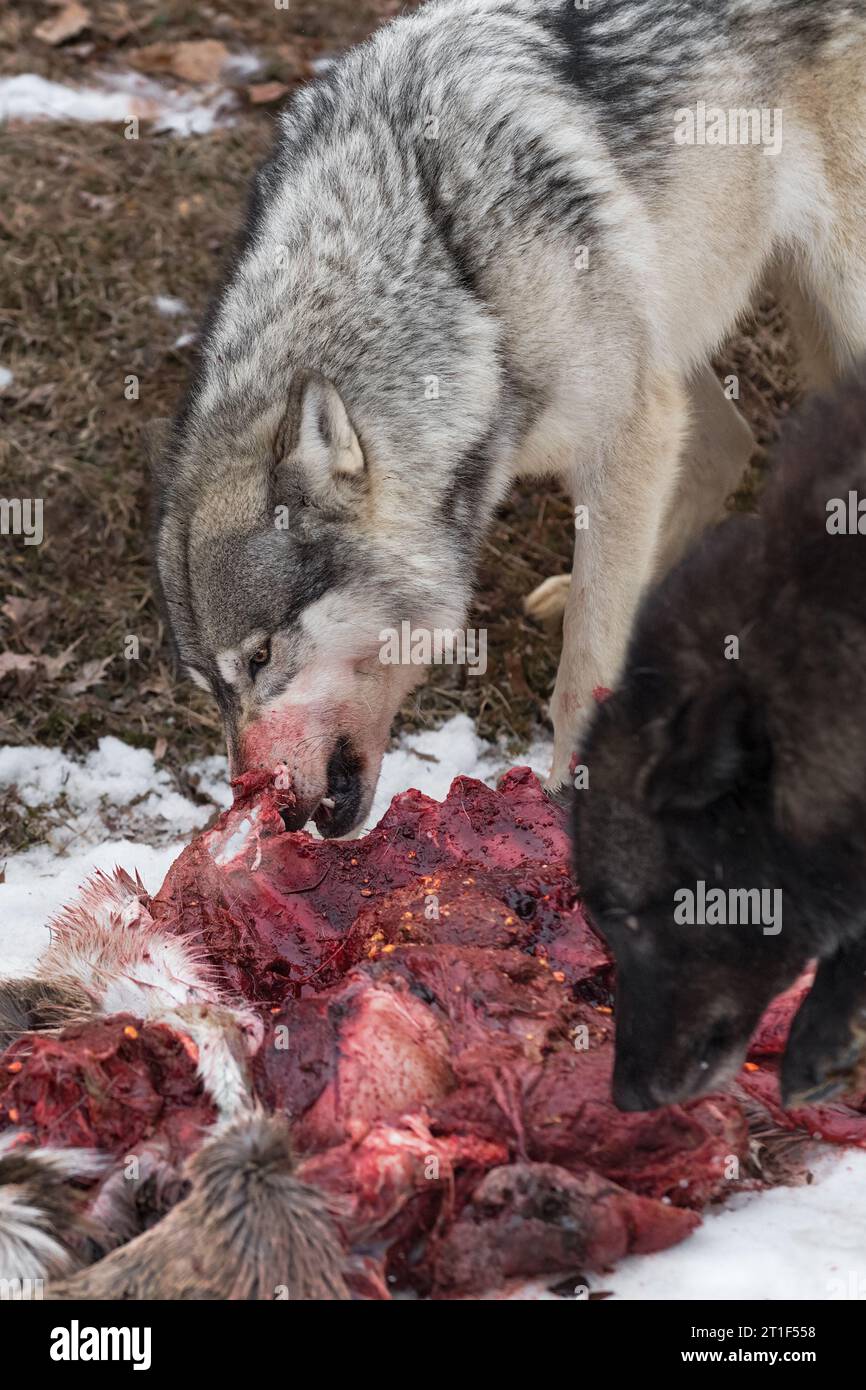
(248, 1229)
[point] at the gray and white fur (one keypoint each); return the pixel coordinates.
(476, 252)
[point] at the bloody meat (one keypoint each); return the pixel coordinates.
(439, 1031)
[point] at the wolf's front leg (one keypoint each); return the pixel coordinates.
(826, 1050)
(620, 504)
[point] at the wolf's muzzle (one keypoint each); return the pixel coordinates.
(337, 812)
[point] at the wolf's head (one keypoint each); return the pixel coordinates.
(734, 756)
(286, 556)
(680, 803)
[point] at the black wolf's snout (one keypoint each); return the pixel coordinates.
(629, 1095)
(638, 1088)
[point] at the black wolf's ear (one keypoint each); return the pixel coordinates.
(157, 437)
(317, 434)
(704, 749)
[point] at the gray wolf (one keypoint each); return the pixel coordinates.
(744, 772)
(502, 238)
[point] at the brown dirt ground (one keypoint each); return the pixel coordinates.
(92, 227)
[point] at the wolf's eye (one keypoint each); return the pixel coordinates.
(718, 1041)
(260, 658)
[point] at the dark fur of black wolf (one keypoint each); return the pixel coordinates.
(744, 773)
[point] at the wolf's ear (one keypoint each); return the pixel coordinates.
(712, 742)
(317, 434)
(157, 437)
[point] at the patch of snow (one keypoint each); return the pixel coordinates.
(6, 378)
(210, 777)
(242, 65)
(39, 883)
(789, 1243)
(185, 340)
(27, 97)
(168, 306)
(114, 778)
(116, 96)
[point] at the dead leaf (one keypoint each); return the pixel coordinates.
(2, 873)
(424, 757)
(262, 93)
(11, 30)
(91, 674)
(116, 23)
(71, 21)
(53, 665)
(158, 686)
(197, 60)
(16, 661)
(160, 748)
(22, 611)
(517, 675)
(186, 206)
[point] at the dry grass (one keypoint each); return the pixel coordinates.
(92, 227)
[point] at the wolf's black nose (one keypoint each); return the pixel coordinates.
(630, 1097)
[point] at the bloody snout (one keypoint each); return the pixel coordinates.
(336, 813)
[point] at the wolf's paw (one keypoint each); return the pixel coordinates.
(546, 603)
(826, 1063)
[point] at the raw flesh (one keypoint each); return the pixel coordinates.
(439, 1030)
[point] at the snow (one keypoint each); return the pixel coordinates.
(117, 806)
(80, 802)
(242, 65)
(38, 884)
(168, 306)
(115, 775)
(116, 96)
(6, 378)
(789, 1243)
